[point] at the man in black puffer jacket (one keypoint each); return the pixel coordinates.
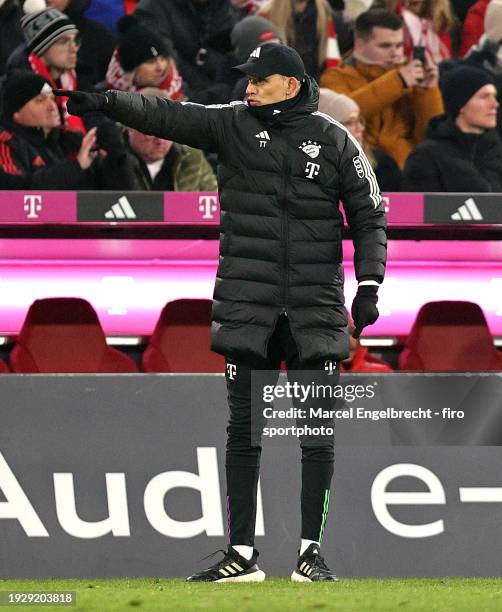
(283, 169)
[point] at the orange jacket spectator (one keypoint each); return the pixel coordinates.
(396, 116)
(396, 98)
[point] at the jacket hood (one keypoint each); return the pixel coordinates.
(442, 127)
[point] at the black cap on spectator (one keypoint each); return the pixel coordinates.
(19, 87)
(43, 28)
(271, 58)
(460, 84)
(138, 44)
(250, 33)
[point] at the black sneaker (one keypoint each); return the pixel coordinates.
(232, 568)
(311, 567)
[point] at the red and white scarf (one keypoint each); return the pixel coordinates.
(420, 32)
(68, 81)
(333, 57)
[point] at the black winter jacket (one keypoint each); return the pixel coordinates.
(29, 160)
(450, 160)
(280, 182)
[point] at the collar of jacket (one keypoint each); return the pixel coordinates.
(443, 127)
(290, 111)
(34, 135)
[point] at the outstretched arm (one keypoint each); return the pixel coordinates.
(192, 124)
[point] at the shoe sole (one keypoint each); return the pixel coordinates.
(296, 577)
(258, 576)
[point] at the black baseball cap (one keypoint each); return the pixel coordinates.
(271, 58)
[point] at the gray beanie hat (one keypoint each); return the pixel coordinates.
(251, 32)
(43, 28)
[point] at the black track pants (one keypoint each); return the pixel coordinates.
(244, 445)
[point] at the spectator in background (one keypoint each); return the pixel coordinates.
(164, 165)
(427, 23)
(33, 150)
(143, 59)
(360, 359)
(396, 99)
(344, 110)
(308, 27)
(11, 34)
(463, 150)
(487, 54)
(248, 34)
(52, 43)
(98, 42)
(200, 33)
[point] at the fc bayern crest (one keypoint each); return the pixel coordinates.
(312, 149)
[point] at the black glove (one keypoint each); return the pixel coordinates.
(364, 310)
(80, 102)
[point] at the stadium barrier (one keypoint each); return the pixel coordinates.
(108, 476)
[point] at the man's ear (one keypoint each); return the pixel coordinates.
(15, 117)
(291, 86)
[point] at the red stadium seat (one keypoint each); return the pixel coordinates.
(64, 335)
(450, 336)
(4, 368)
(181, 340)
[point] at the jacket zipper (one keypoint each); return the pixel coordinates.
(284, 236)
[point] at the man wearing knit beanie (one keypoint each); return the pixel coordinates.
(143, 58)
(487, 53)
(462, 151)
(459, 86)
(33, 149)
(44, 28)
(52, 43)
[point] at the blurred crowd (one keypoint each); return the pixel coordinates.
(416, 82)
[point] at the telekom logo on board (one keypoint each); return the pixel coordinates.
(208, 206)
(32, 206)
